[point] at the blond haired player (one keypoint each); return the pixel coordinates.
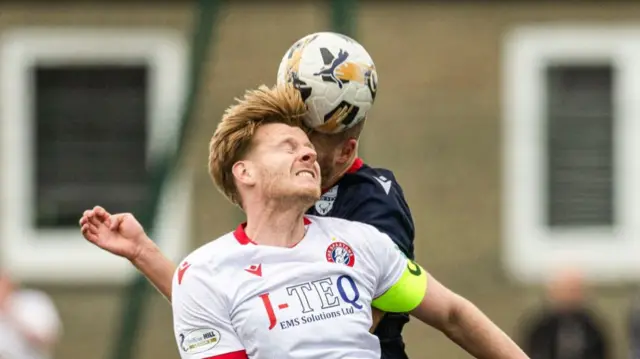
(286, 285)
(352, 189)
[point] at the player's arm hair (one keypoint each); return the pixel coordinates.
(448, 312)
(158, 269)
(465, 324)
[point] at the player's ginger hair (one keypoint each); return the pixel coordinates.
(233, 137)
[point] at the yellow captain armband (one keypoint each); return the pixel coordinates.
(407, 293)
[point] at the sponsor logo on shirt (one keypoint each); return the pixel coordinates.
(199, 340)
(341, 253)
(323, 299)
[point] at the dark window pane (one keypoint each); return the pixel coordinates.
(580, 124)
(90, 129)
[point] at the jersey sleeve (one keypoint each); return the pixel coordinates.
(385, 259)
(201, 317)
(400, 282)
(381, 204)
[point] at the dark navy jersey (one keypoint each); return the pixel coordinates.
(372, 195)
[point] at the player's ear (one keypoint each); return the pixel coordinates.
(348, 151)
(244, 173)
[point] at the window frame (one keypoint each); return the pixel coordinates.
(62, 255)
(531, 250)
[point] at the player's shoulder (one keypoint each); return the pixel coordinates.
(212, 254)
(368, 173)
(371, 171)
(373, 181)
(361, 237)
(344, 227)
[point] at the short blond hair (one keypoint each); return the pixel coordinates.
(326, 141)
(234, 134)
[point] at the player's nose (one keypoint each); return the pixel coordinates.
(308, 155)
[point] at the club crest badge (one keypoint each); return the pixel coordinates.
(341, 253)
(325, 203)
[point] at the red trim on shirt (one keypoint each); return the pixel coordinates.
(241, 235)
(241, 354)
(243, 238)
(356, 165)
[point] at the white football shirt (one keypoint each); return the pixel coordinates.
(234, 299)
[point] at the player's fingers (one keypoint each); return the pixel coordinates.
(90, 232)
(94, 229)
(101, 213)
(115, 221)
(95, 220)
(90, 226)
(106, 219)
(85, 230)
(89, 214)
(91, 238)
(86, 221)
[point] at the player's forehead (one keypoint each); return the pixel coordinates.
(276, 133)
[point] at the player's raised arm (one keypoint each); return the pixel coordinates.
(122, 235)
(201, 319)
(156, 268)
(402, 287)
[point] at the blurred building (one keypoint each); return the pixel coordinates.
(516, 125)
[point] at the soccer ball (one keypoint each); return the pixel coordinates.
(336, 78)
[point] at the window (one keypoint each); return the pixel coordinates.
(579, 139)
(571, 180)
(83, 114)
(90, 136)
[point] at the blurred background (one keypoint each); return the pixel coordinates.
(512, 128)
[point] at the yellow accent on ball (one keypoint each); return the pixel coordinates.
(407, 293)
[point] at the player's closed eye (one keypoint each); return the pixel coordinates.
(289, 146)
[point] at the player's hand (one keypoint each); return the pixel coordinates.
(120, 234)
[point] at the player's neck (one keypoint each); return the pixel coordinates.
(340, 171)
(275, 226)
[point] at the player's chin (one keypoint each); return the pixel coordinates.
(308, 192)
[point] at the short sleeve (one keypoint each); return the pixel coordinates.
(386, 259)
(201, 318)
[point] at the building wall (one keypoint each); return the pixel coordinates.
(440, 75)
(438, 105)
